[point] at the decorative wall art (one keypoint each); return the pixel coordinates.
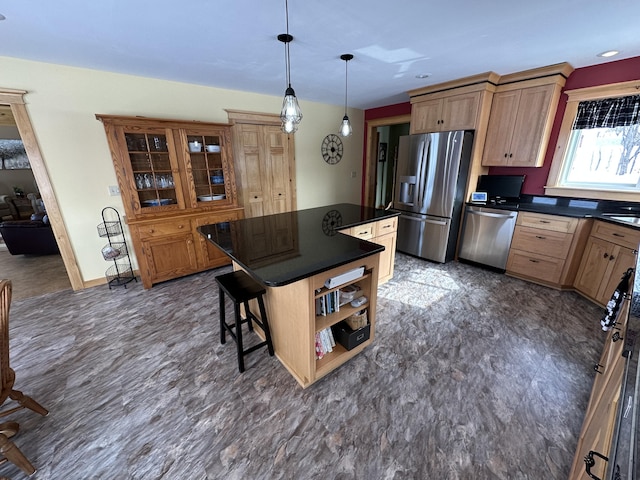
(13, 155)
(382, 152)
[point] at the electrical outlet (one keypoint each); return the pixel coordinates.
(353, 174)
(114, 190)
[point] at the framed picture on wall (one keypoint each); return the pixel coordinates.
(13, 156)
(382, 152)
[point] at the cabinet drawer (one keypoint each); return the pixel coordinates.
(547, 222)
(162, 229)
(534, 265)
(626, 237)
(364, 232)
(546, 242)
(388, 225)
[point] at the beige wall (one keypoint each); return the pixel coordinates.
(62, 103)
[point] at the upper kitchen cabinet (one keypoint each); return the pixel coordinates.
(166, 166)
(264, 163)
(456, 105)
(522, 113)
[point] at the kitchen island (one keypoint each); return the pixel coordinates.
(293, 254)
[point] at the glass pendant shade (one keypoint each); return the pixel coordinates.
(289, 127)
(291, 112)
(345, 127)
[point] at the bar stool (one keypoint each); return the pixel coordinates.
(241, 288)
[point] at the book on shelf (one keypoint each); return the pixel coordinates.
(324, 342)
(328, 303)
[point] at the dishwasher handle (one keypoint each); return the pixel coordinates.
(493, 215)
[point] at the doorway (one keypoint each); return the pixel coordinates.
(12, 107)
(382, 149)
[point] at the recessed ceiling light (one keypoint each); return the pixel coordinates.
(609, 53)
(422, 75)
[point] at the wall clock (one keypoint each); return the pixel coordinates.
(332, 149)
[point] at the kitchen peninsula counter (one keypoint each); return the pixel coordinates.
(283, 248)
(293, 254)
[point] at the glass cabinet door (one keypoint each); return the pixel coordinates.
(152, 170)
(208, 169)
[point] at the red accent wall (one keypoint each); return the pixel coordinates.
(388, 111)
(536, 178)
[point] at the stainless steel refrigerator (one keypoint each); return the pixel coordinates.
(430, 182)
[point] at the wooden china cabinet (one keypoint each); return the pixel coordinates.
(174, 176)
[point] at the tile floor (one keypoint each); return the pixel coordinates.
(473, 375)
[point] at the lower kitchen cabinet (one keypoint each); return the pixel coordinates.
(386, 235)
(546, 249)
(210, 256)
(599, 421)
(382, 232)
(168, 248)
(167, 257)
(609, 252)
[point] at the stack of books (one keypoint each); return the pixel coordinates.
(331, 302)
(324, 342)
(328, 303)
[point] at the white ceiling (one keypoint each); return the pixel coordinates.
(232, 43)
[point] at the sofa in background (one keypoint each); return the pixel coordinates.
(6, 208)
(29, 237)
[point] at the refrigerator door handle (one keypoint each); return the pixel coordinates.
(425, 220)
(422, 169)
(419, 173)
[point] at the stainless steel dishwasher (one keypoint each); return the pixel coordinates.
(486, 236)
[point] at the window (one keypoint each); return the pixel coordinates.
(598, 154)
(604, 145)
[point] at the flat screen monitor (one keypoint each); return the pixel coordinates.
(506, 187)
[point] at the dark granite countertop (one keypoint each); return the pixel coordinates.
(620, 213)
(283, 248)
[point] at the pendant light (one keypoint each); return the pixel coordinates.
(290, 115)
(345, 126)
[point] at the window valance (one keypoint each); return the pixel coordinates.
(608, 112)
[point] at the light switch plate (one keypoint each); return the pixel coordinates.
(114, 190)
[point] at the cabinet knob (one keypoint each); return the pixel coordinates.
(611, 257)
(597, 366)
(255, 196)
(510, 155)
(534, 261)
(616, 336)
(506, 155)
(605, 255)
(541, 237)
(180, 226)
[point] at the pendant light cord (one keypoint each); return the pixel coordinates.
(346, 84)
(286, 50)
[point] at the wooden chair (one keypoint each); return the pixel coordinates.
(8, 449)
